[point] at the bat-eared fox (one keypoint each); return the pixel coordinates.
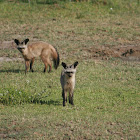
(42, 49)
(67, 80)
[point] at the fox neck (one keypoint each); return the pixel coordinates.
(69, 82)
(69, 78)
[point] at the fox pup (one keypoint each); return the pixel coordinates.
(67, 80)
(42, 49)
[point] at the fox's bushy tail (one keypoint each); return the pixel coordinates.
(56, 59)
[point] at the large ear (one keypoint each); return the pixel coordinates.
(16, 41)
(26, 41)
(75, 64)
(64, 65)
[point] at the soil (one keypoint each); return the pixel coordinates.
(129, 53)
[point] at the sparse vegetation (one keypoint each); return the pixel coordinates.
(107, 92)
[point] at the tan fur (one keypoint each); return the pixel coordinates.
(67, 80)
(68, 83)
(42, 49)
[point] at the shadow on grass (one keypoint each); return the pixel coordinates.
(35, 101)
(13, 71)
(50, 2)
(50, 102)
(22, 71)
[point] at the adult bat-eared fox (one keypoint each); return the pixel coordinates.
(42, 49)
(67, 80)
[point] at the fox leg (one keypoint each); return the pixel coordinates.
(50, 66)
(64, 94)
(31, 64)
(71, 97)
(45, 63)
(27, 64)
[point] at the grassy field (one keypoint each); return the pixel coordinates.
(107, 93)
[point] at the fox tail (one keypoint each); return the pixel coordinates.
(56, 59)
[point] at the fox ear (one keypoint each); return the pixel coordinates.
(75, 64)
(64, 65)
(16, 41)
(26, 41)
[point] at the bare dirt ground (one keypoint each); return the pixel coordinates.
(129, 53)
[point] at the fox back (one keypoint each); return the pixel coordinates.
(68, 81)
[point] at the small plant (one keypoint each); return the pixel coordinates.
(12, 96)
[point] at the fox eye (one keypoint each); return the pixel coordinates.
(70, 72)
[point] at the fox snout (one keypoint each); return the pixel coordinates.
(70, 74)
(20, 47)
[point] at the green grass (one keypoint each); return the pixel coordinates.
(107, 93)
(106, 102)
